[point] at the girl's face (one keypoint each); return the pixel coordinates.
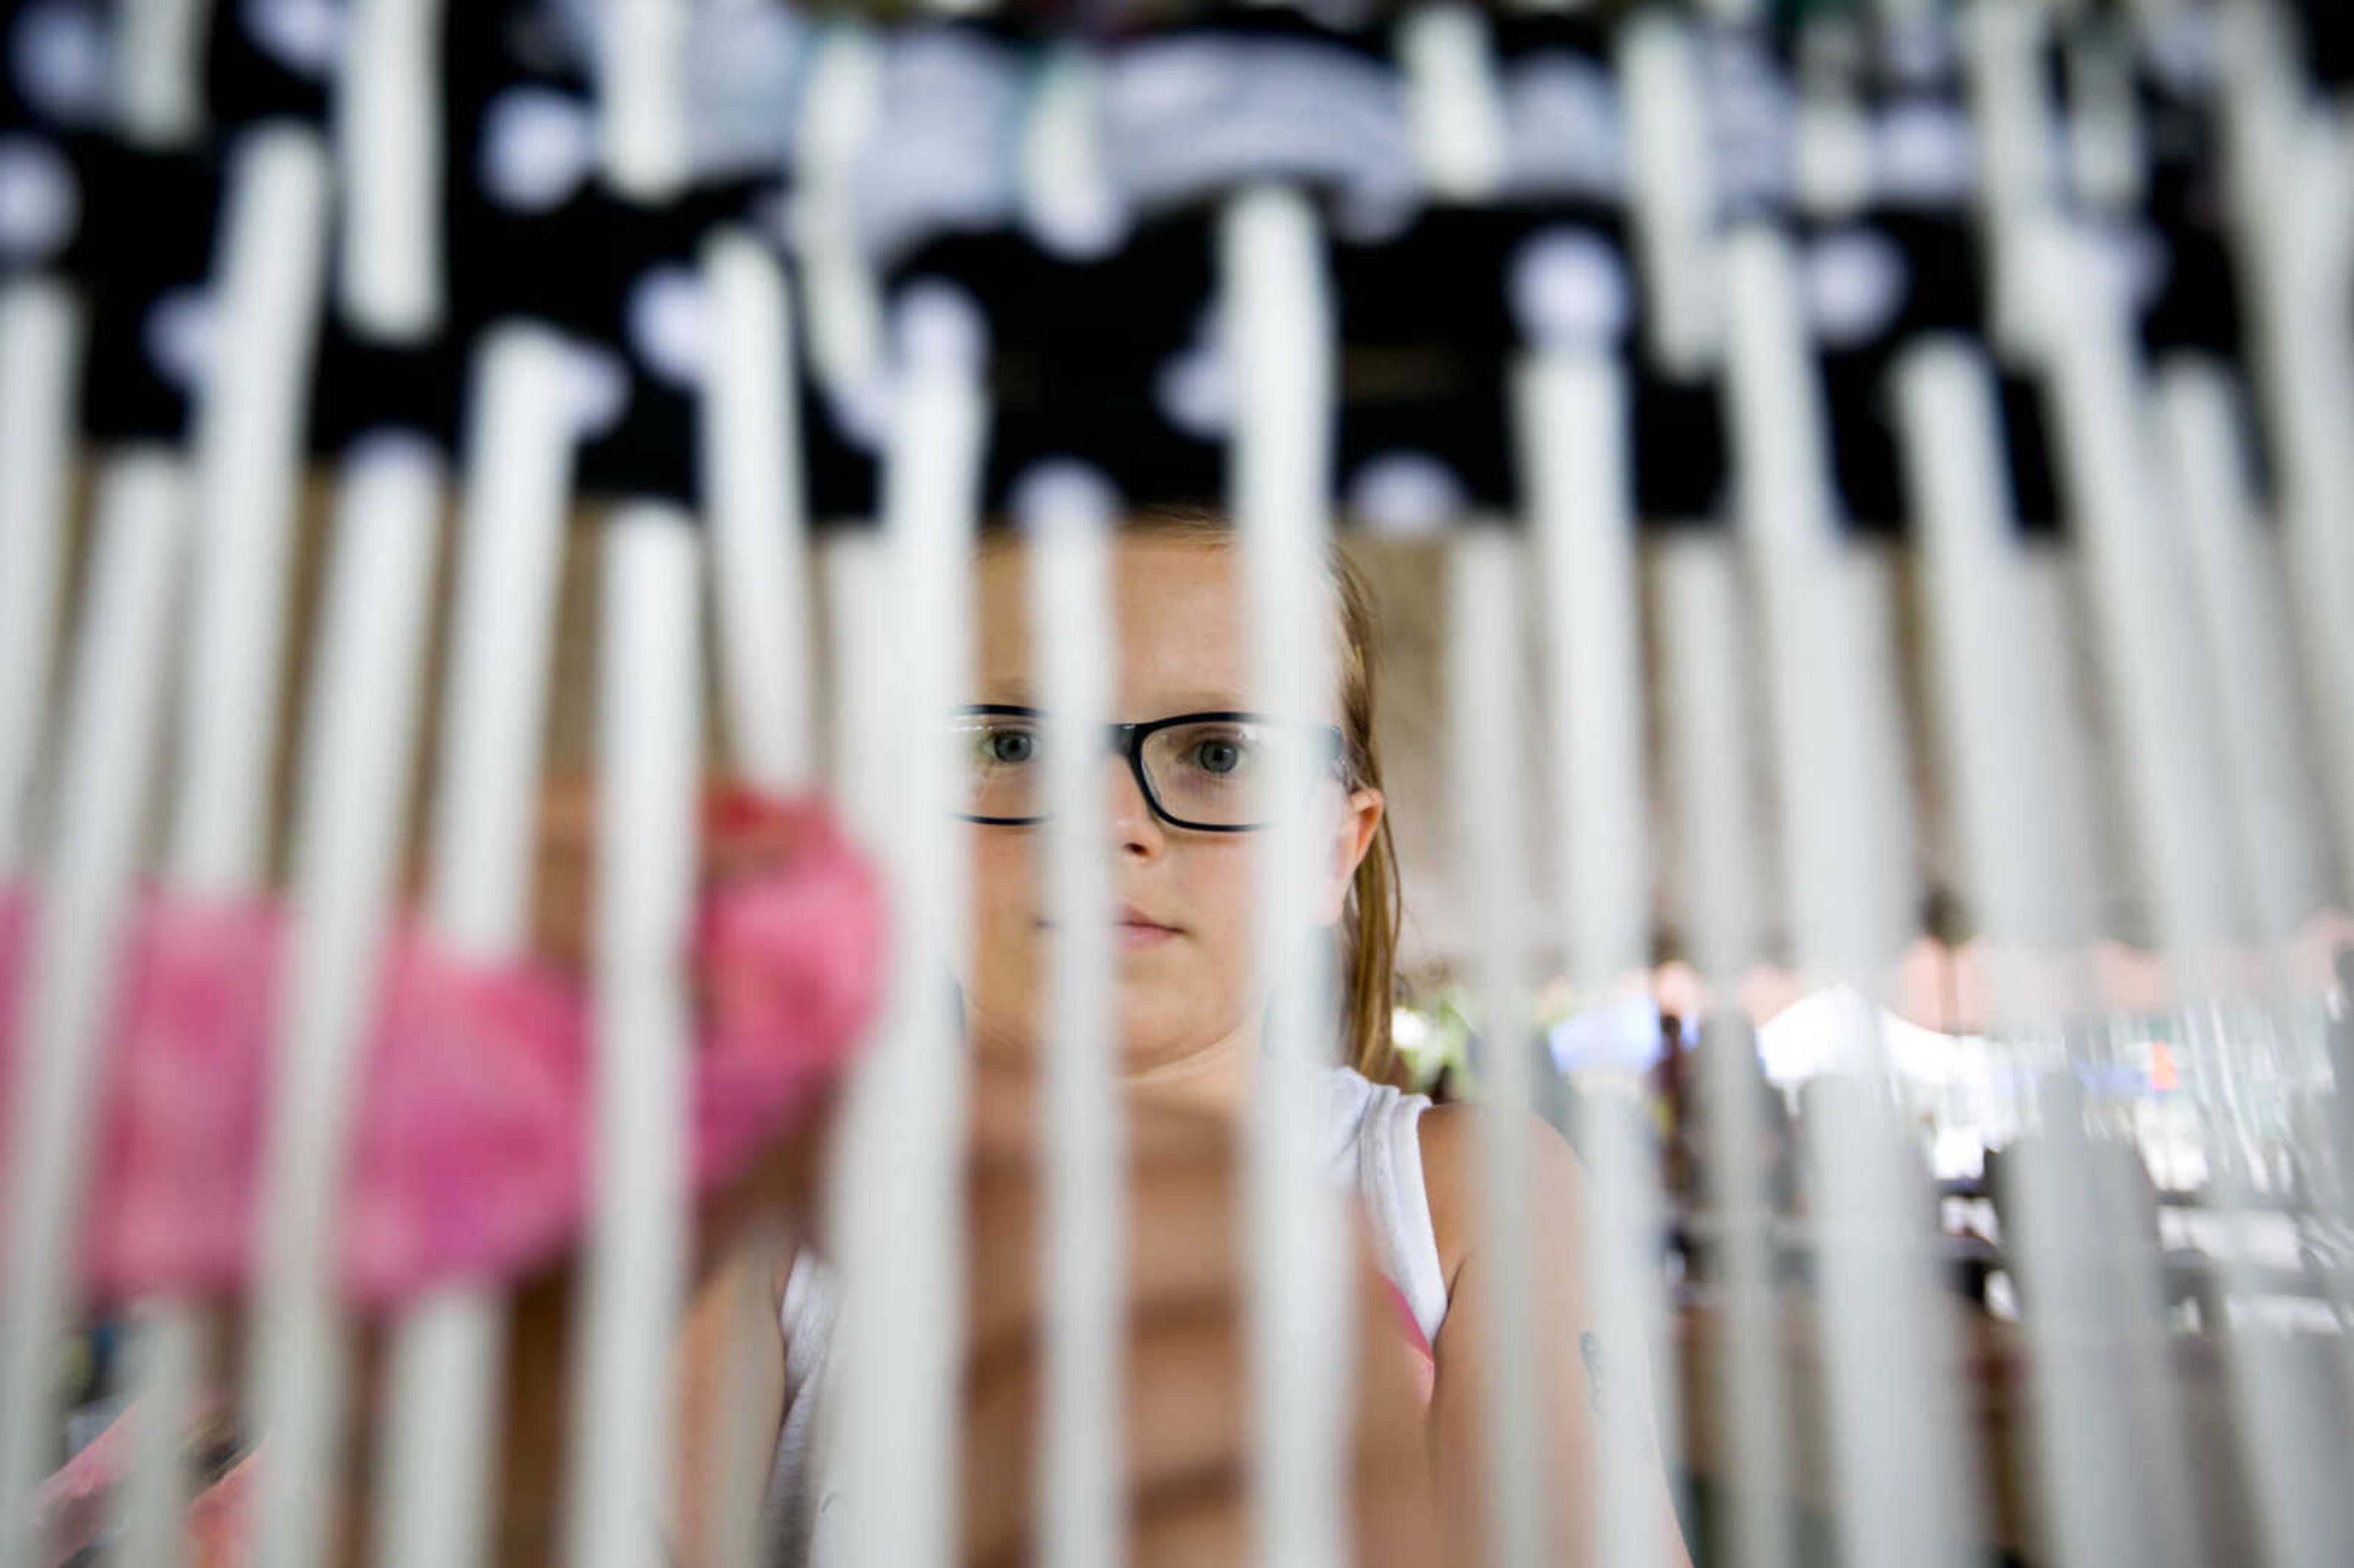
(1186, 956)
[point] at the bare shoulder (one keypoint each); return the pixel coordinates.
(1455, 1141)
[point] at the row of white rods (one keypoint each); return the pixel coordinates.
(1901, 1481)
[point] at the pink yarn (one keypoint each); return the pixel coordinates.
(790, 968)
(179, 1164)
(468, 1154)
(16, 916)
(468, 1161)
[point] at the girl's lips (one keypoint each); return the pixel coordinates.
(1135, 931)
(1139, 934)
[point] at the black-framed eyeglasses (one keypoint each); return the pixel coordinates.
(1205, 772)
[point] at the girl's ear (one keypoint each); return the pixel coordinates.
(1352, 838)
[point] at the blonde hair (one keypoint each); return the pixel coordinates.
(1371, 918)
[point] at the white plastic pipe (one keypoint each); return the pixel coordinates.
(1485, 700)
(1277, 320)
(40, 352)
(749, 454)
(2017, 181)
(1673, 192)
(2107, 146)
(1572, 434)
(358, 742)
(751, 457)
(2289, 168)
(438, 1454)
(388, 157)
(106, 762)
(1710, 764)
(2065, 1251)
(642, 88)
(898, 1183)
(2127, 538)
(1454, 101)
(1845, 915)
(1070, 202)
(1895, 1458)
(2236, 583)
(1983, 655)
(633, 1282)
(1085, 1503)
(268, 279)
(159, 71)
(2179, 846)
(248, 438)
(841, 108)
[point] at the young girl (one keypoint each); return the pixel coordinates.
(1189, 1005)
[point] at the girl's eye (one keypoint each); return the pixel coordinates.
(1219, 755)
(1009, 747)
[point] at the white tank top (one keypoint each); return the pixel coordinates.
(1371, 1144)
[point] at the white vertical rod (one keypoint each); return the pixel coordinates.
(1845, 922)
(2138, 601)
(749, 455)
(1725, 13)
(1982, 657)
(634, 1283)
(1069, 199)
(750, 458)
(1453, 99)
(105, 767)
(2235, 578)
(1277, 320)
(159, 71)
(641, 89)
(1673, 190)
(248, 451)
(165, 1352)
(898, 1229)
(1709, 742)
(247, 440)
(389, 155)
(2092, 1484)
(2017, 181)
(1897, 14)
(437, 1471)
(1485, 700)
(2264, 110)
(1084, 1504)
(1573, 433)
(40, 348)
(2176, 804)
(518, 486)
(1896, 1461)
(2107, 146)
(853, 566)
(2295, 264)
(840, 107)
(358, 744)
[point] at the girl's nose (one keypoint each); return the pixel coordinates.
(1135, 830)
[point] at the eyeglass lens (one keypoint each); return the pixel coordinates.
(1207, 773)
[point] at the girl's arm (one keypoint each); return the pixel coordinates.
(1594, 1394)
(717, 1362)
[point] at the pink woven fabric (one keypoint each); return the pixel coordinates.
(468, 1154)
